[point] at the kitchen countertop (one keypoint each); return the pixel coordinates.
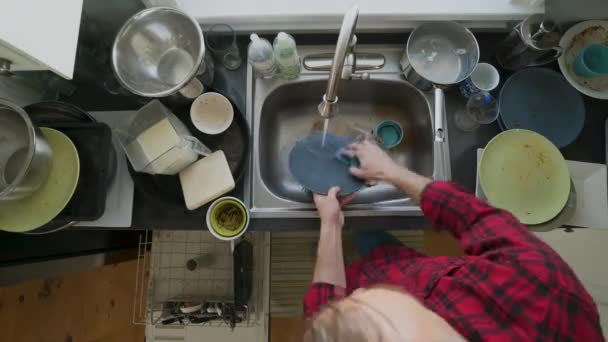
(150, 213)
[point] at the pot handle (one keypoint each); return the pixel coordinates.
(441, 153)
(439, 114)
(553, 54)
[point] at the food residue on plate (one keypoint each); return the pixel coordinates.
(592, 35)
(541, 158)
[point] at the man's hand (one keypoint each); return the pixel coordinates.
(330, 208)
(376, 165)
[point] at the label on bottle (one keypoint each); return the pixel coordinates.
(290, 71)
(286, 53)
(265, 68)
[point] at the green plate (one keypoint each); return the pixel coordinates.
(523, 172)
(46, 203)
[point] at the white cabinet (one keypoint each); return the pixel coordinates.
(40, 35)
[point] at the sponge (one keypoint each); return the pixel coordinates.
(206, 180)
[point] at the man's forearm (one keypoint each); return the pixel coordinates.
(329, 267)
(411, 183)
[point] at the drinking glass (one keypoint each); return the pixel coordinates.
(221, 41)
(481, 109)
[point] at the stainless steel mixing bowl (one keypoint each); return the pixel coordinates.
(157, 52)
(25, 154)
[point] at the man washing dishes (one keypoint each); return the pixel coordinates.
(509, 286)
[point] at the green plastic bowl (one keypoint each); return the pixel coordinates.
(389, 133)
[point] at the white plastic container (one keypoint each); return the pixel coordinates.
(286, 56)
(157, 142)
(261, 57)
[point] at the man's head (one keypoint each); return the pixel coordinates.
(377, 314)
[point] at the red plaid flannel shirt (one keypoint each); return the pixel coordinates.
(509, 286)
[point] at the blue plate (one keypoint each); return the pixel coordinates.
(541, 100)
(501, 124)
(318, 168)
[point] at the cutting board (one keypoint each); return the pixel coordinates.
(206, 180)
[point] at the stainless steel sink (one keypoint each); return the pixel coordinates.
(282, 112)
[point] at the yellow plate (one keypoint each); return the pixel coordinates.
(523, 172)
(46, 203)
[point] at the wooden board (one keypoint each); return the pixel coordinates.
(93, 305)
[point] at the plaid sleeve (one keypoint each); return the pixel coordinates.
(318, 295)
(514, 266)
(480, 227)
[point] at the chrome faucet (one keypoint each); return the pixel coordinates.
(343, 65)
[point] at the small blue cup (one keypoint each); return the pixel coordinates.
(389, 133)
(592, 61)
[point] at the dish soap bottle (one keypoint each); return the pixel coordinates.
(286, 56)
(261, 56)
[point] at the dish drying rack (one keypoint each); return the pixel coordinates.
(163, 279)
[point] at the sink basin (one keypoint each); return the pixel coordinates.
(282, 112)
(289, 113)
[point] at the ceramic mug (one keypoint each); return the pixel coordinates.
(211, 113)
(227, 218)
(484, 78)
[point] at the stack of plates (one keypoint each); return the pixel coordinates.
(541, 100)
(524, 173)
(564, 217)
(573, 42)
(45, 204)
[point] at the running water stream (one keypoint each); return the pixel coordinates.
(325, 129)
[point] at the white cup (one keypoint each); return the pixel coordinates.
(211, 113)
(484, 78)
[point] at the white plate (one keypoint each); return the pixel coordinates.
(566, 69)
(592, 202)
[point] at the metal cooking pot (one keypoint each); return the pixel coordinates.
(534, 41)
(438, 55)
(25, 154)
(157, 52)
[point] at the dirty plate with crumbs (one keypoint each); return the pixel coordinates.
(573, 42)
(523, 172)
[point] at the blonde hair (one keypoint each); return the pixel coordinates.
(353, 324)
